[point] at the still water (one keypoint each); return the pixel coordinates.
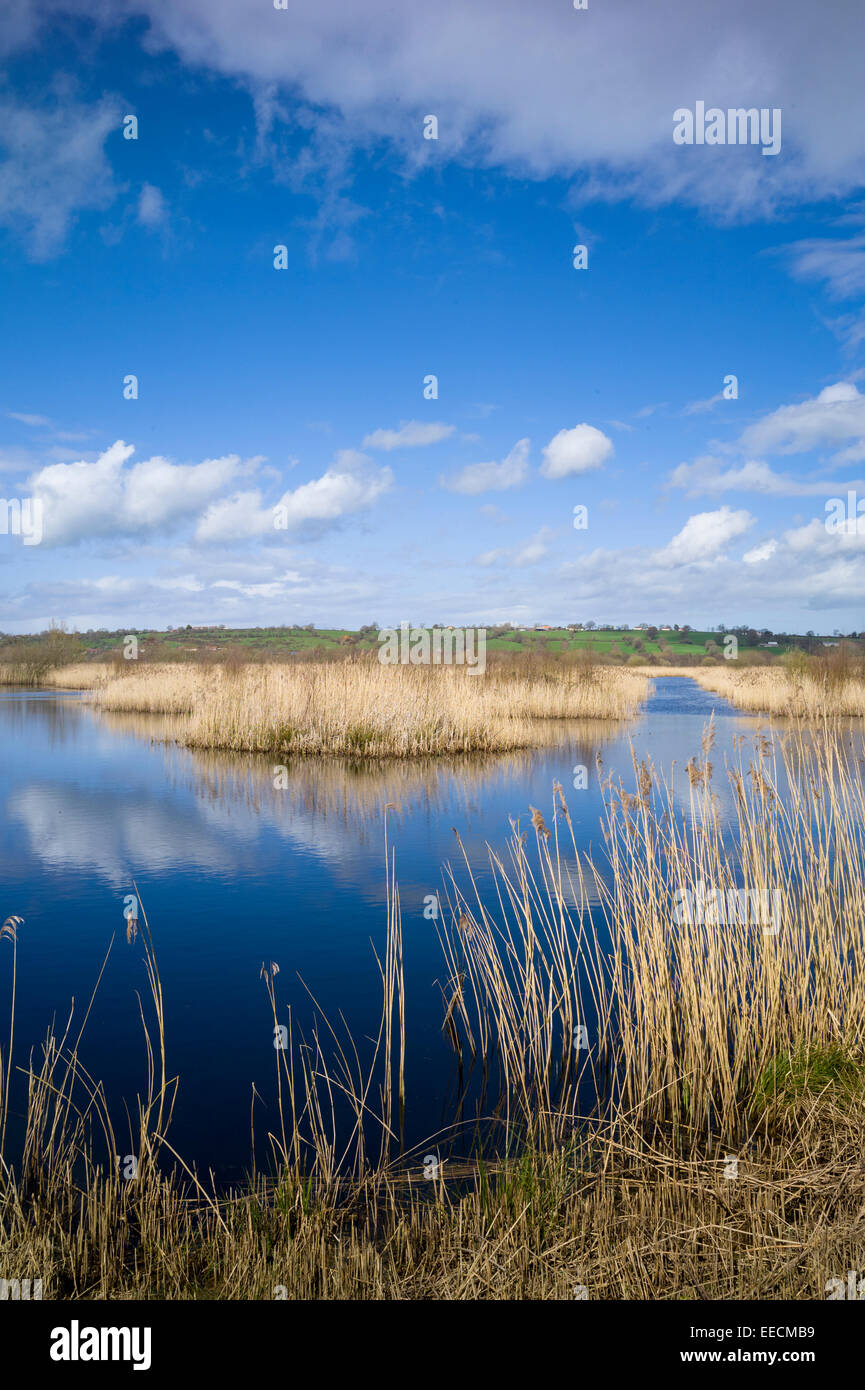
(233, 872)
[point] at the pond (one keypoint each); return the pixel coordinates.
(234, 871)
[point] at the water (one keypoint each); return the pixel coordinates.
(233, 873)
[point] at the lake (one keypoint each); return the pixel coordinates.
(233, 872)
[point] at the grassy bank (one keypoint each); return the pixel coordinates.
(812, 690)
(359, 707)
(720, 1158)
(643, 1223)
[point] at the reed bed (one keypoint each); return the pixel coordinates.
(642, 1224)
(801, 688)
(363, 708)
(683, 1009)
(810, 691)
(79, 675)
(21, 672)
(608, 1173)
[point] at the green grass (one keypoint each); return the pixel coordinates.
(791, 1078)
(200, 643)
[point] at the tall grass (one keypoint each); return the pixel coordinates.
(359, 708)
(606, 1166)
(809, 687)
(683, 1016)
(817, 690)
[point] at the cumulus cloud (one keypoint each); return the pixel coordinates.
(704, 537)
(836, 415)
(526, 99)
(576, 451)
(806, 570)
(529, 95)
(411, 434)
(349, 486)
(86, 500)
(492, 477)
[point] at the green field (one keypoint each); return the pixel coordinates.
(256, 643)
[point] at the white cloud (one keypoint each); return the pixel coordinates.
(836, 415)
(594, 94)
(707, 476)
(813, 539)
(349, 486)
(152, 210)
(272, 590)
(760, 553)
(542, 92)
(53, 165)
(535, 549)
(531, 552)
(492, 477)
(410, 435)
(700, 407)
(838, 262)
(34, 420)
(490, 557)
(704, 536)
(84, 500)
(576, 451)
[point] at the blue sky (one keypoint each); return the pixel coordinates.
(304, 388)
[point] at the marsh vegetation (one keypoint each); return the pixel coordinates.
(702, 1139)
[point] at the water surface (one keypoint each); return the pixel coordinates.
(233, 872)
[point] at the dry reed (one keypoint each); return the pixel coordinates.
(705, 1041)
(361, 707)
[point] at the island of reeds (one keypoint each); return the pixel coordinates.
(353, 707)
